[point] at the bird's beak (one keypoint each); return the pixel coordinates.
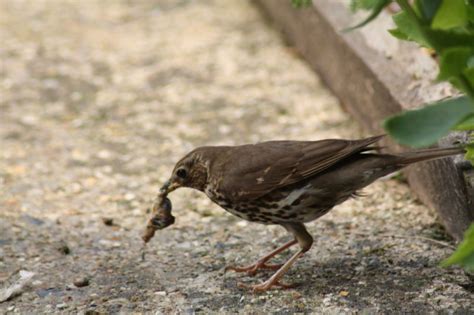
(168, 187)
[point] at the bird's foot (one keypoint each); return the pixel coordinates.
(252, 269)
(262, 287)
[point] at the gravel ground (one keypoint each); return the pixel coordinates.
(100, 98)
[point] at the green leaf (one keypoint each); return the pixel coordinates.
(454, 61)
(408, 29)
(469, 154)
(301, 3)
(444, 39)
(470, 11)
(465, 85)
(451, 13)
(469, 74)
(427, 8)
(470, 62)
(363, 5)
(376, 6)
(398, 34)
(464, 254)
(466, 124)
(423, 127)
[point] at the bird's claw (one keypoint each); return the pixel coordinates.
(262, 287)
(252, 269)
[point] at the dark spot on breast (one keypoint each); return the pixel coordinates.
(274, 196)
(262, 204)
(287, 207)
(296, 202)
(251, 216)
(253, 209)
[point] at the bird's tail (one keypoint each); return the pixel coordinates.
(428, 154)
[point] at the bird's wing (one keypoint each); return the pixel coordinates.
(258, 169)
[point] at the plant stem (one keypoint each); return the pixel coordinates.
(409, 10)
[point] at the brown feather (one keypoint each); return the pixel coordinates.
(271, 165)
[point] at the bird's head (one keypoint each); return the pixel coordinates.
(191, 171)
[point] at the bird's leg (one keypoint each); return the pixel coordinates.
(275, 279)
(304, 240)
(261, 263)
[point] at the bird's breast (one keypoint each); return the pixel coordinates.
(298, 203)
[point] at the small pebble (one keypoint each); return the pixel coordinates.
(81, 282)
(108, 221)
(296, 295)
(61, 306)
(64, 249)
(343, 293)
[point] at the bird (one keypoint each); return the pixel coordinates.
(289, 183)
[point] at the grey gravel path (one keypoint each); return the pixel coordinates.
(100, 98)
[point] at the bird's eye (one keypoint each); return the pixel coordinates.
(181, 173)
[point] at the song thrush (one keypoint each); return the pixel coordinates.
(288, 183)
